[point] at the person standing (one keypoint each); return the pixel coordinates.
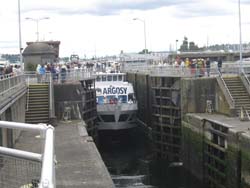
(208, 66)
(42, 72)
(219, 64)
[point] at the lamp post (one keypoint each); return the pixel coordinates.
(37, 24)
(176, 47)
(145, 40)
(241, 69)
(20, 35)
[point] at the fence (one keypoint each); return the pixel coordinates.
(169, 70)
(9, 84)
(22, 169)
(69, 76)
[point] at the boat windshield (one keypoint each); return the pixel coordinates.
(111, 99)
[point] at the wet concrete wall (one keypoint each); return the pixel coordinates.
(192, 146)
(76, 101)
(195, 92)
(244, 144)
(142, 90)
(216, 154)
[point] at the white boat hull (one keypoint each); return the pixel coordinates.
(109, 116)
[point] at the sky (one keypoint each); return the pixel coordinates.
(105, 27)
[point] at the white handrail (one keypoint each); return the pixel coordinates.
(48, 166)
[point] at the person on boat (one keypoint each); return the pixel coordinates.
(111, 100)
(105, 100)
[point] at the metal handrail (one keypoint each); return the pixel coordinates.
(51, 97)
(248, 81)
(47, 179)
(11, 83)
(172, 70)
(224, 83)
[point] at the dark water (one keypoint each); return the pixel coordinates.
(130, 162)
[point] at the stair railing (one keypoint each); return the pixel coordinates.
(246, 78)
(245, 81)
(227, 90)
(51, 96)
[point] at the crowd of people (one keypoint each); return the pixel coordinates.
(10, 70)
(197, 67)
(59, 71)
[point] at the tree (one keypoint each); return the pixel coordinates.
(144, 51)
(193, 47)
(184, 46)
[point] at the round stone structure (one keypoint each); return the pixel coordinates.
(38, 53)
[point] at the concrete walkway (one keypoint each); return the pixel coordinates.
(79, 163)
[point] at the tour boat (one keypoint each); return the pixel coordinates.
(116, 103)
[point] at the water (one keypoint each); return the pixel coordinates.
(129, 160)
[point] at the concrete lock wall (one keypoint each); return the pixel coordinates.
(73, 101)
(196, 136)
(192, 146)
(244, 144)
(68, 101)
(142, 90)
(195, 92)
(232, 160)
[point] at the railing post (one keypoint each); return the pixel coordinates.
(48, 167)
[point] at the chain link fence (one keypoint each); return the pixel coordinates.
(19, 173)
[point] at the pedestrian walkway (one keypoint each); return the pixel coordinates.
(79, 163)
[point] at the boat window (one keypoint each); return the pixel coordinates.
(122, 98)
(104, 78)
(112, 99)
(100, 100)
(109, 77)
(120, 77)
(132, 117)
(108, 118)
(114, 77)
(98, 78)
(123, 117)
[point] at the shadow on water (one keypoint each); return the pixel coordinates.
(128, 158)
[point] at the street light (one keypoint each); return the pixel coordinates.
(20, 35)
(176, 47)
(145, 40)
(37, 23)
(240, 38)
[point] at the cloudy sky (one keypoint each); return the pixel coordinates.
(105, 27)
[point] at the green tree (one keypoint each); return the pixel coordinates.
(184, 46)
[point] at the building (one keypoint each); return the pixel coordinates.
(38, 53)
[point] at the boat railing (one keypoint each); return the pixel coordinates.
(28, 169)
(112, 107)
